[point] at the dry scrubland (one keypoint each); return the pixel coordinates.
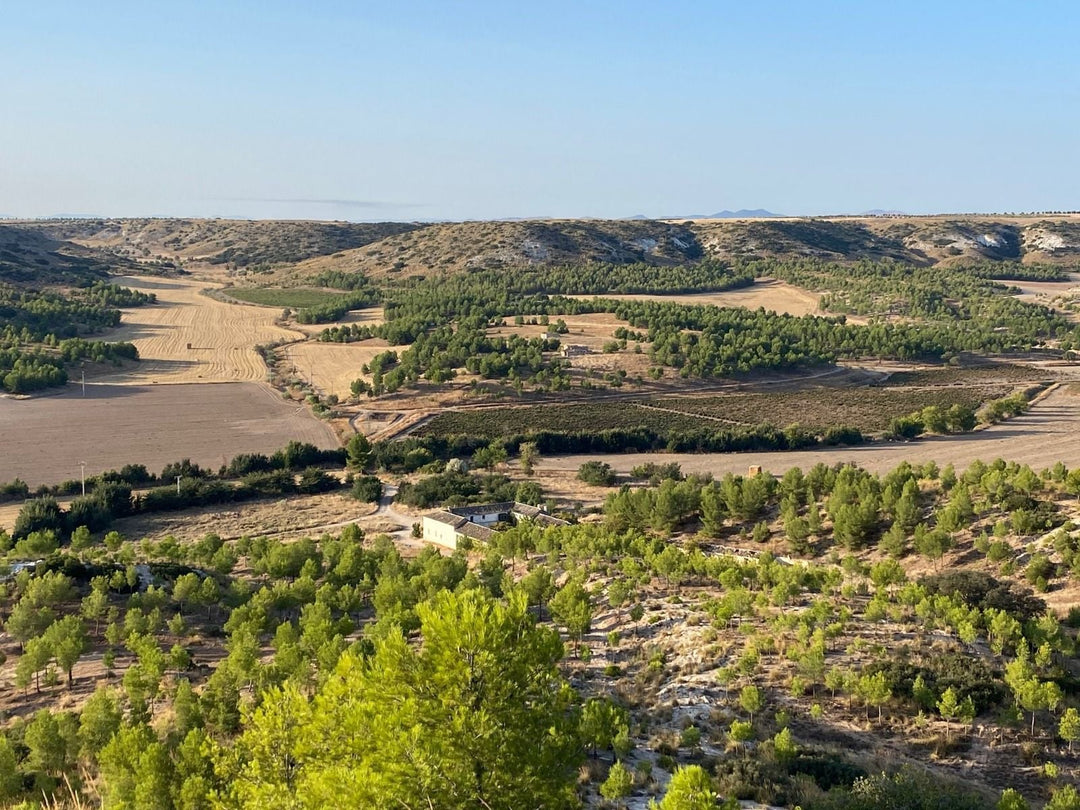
(45, 438)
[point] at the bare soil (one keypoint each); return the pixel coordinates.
(45, 438)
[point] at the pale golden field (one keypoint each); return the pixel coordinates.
(222, 336)
(774, 295)
(330, 367)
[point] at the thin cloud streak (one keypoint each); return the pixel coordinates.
(370, 204)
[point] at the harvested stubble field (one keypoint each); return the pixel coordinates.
(772, 294)
(45, 438)
(1048, 433)
(330, 367)
(222, 336)
(296, 516)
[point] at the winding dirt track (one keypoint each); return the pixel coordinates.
(1048, 433)
(222, 335)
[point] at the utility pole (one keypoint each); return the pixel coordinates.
(82, 476)
(178, 484)
(84, 383)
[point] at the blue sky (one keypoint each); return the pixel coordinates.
(467, 110)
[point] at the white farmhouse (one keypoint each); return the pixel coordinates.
(446, 527)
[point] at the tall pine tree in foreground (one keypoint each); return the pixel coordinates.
(475, 715)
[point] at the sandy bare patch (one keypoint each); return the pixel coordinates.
(222, 336)
(1053, 294)
(45, 438)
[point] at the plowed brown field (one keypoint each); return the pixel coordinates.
(43, 439)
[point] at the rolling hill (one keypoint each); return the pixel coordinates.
(219, 241)
(30, 256)
(297, 253)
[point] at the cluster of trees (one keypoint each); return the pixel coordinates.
(41, 332)
(39, 313)
(335, 310)
(412, 453)
(437, 355)
(941, 312)
(153, 741)
(710, 341)
(455, 488)
(960, 293)
(857, 510)
(933, 419)
(293, 456)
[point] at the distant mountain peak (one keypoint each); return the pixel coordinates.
(743, 213)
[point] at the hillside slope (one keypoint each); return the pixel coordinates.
(919, 240)
(463, 246)
(291, 252)
(460, 246)
(29, 256)
(220, 241)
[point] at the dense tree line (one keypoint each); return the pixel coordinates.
(41, 332)
(414, 452)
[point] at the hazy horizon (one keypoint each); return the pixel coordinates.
(426, 112)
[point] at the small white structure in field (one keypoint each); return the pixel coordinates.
(574, 350)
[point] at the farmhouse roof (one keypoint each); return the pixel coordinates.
(442, 516)
(502, 507)
(475, 531)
